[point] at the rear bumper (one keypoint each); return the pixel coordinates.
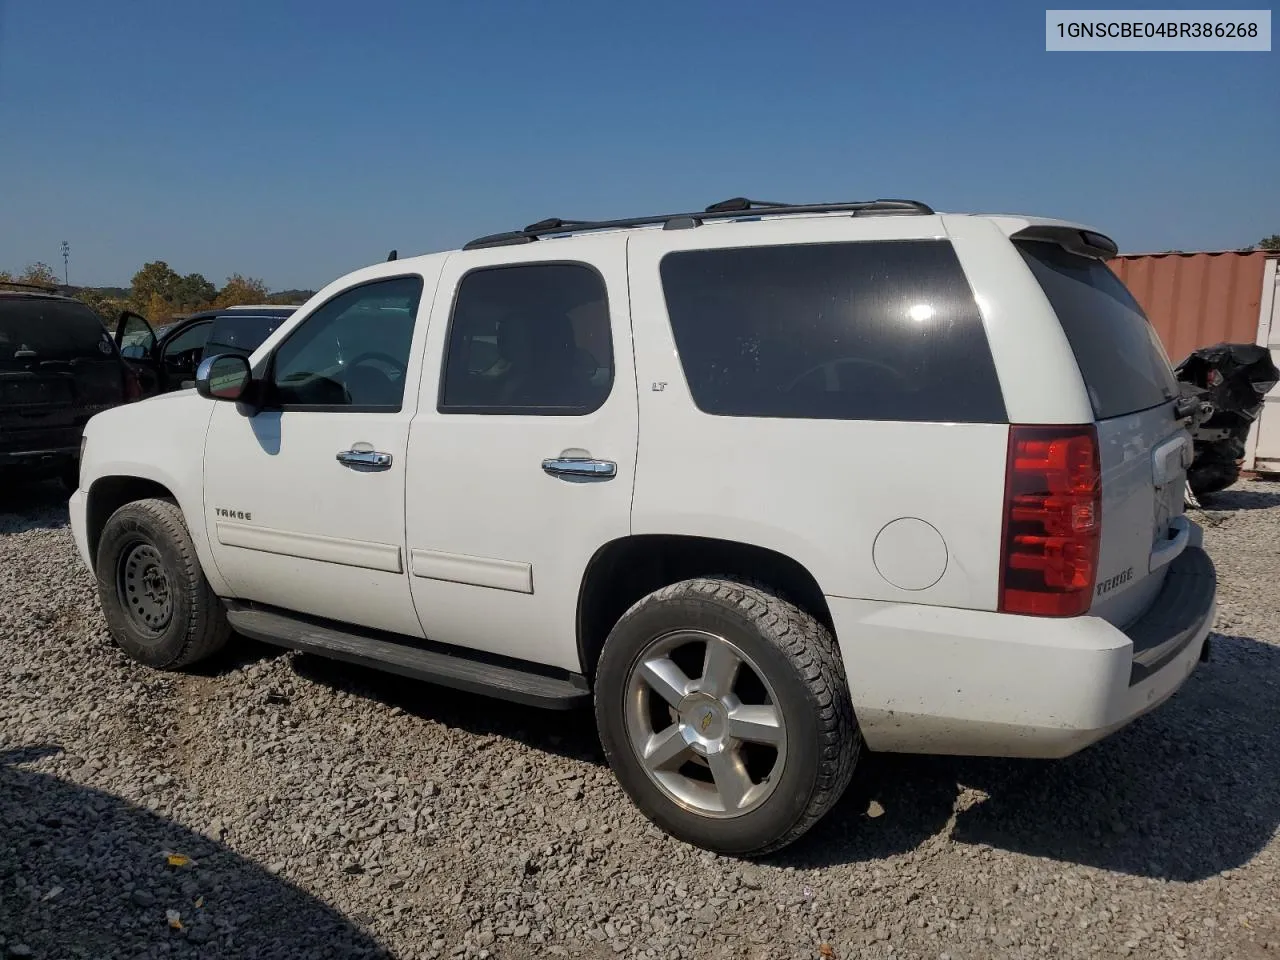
(942, 680)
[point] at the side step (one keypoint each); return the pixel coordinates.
(448, 666)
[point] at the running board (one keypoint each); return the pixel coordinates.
(448, 666)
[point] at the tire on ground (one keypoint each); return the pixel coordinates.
(800, 658)
(197, 626)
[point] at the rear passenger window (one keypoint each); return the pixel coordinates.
(841, 331)
(530, 339)
(1121, 359)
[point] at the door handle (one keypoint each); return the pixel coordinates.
(368, 459)
(580, 468)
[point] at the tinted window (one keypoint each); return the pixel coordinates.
(529, 339)
(352, 351)
(1120, 356)
(843, 331)
(241, 334)
(33, 329)
(190, 339)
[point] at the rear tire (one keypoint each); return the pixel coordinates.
(740, 759)
(159, 607)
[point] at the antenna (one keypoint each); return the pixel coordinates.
(393, 255)
(66, 261)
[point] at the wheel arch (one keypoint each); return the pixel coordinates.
(623, 571)
(108, 494)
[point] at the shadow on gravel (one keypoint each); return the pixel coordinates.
(569, 733)
(32, 506)
(1183, 794)
(83, 873)
(1241, 500)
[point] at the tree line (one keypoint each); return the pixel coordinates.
(160, 293)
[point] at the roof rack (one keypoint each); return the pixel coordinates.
(42, 287)
(724, 210)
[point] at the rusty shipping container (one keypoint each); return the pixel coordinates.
(1197, 299)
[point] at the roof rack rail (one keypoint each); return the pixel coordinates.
(42, 287)
(724, 210)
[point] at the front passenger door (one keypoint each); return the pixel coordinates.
(304, 500)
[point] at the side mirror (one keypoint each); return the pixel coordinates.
(224, 377)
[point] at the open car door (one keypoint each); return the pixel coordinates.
(136, 342)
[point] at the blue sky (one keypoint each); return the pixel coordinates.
(297, 140)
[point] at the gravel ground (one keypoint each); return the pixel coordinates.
(324, 811)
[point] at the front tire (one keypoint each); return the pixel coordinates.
(725, 714)
(159, 607)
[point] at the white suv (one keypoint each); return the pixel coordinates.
(766, 482)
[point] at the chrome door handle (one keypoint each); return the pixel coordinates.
(369, 459)
(580, 468)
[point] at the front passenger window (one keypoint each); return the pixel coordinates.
(353, 351)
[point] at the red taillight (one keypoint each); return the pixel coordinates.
(1052, 521)
(132, 386)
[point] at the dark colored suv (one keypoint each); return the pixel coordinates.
(167, 358)
(58, 367)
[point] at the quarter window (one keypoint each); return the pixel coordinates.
(353, 351)
(841, 331)
(531, 339)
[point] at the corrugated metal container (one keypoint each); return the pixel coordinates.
(1196, 299)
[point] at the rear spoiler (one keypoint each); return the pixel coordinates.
(1086, 243)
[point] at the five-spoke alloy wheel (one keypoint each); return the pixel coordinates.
(725, 714)
(695, 736)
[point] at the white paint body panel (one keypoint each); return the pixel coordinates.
(477, 492)
(937, 680)
(818, 491)
(162, 440)
(331, 538)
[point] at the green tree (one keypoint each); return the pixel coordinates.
(241, 290)
(193, 292)
(1270, 243)
(107, 307)
(155, 279)
(158, 310)
(40, 273)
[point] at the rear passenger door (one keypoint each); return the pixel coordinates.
(522, 455)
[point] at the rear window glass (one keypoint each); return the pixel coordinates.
(1121, 359)
(841, 331)
(241, 334)
(36, 329)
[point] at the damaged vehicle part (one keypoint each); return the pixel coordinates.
(1233, 379)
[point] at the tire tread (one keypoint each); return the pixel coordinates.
(207, 629)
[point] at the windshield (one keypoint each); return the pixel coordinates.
(36, 330)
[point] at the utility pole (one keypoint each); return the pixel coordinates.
(66, 263)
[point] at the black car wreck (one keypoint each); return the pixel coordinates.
(59, 365)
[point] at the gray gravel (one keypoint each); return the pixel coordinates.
(330, 812)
